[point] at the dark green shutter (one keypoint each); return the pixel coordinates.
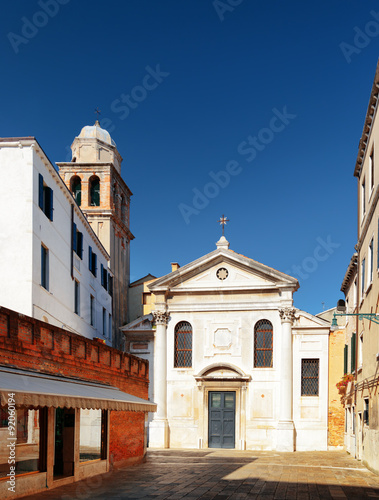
(110, 285)
(94, 264)
(345, 357)
(40, 191)
(353, 348)
(51, 208)
(74, 238)
(79, 244)
(90, 258)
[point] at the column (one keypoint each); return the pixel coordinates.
(158, 429)
(286, 429)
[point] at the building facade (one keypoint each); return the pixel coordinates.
(235, 365)
(363, 345)
(52, 262)
(94, 178)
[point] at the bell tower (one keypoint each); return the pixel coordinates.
(94, 178)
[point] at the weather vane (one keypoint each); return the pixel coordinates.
(97, 111)
(223, 220)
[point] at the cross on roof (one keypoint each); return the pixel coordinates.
(223, 220)
(97, 111)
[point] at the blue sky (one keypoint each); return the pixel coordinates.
(252, 109)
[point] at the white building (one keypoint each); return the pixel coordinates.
(52, 263)
(235, 365)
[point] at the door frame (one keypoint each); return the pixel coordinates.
(239, 387)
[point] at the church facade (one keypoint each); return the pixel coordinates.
(234, 364)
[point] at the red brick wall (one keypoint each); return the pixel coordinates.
(127, 430)
(30, 344)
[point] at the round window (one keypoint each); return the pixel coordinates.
(222, 273)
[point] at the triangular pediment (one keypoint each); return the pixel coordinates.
(307, 320)
(143, 323)
(226, 270)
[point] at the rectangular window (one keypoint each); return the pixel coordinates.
(370, 261)
(104, 322)
(92, 309)
(353, 349)
(309, 377)
(110, 327)
(363, 277)
(366, 420)
(44, 267)
(77, 297)
(363, 199)
(371, 161)
(45, 198)
(92, 261)
(77, 241)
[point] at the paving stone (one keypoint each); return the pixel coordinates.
(230, 474)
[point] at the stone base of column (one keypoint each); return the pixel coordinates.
(158, 434)
(285, 436)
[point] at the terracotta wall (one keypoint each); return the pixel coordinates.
(336, 417)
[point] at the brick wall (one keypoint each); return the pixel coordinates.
(336, 411)
(127, 437)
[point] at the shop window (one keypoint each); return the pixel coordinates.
(90, 447)
(30, 450)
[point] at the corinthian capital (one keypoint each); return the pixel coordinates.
(160, 317)
(287, 314)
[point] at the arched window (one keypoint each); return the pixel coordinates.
(263, 344)
(183, 345)
(94, 191)
(76, 189)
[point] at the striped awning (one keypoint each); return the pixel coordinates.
(39, 389)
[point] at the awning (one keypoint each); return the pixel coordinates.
(39, 389)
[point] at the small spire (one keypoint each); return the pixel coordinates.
(223, 243)
(97, 124)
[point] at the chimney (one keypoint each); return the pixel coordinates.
(174, 266)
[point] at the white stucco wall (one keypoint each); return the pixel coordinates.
(27, 227)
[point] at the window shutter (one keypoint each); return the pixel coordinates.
(80, 244)
(345, 357)
(74, 237)
(102, 274)
(94, 264)
(40, 191)
(105, 279)
(51, 208)
(353, 348)
(90, 258)
(110, 285)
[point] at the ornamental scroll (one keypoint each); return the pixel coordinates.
(287, 314)
(160, 317)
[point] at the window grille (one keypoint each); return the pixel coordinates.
(309, 377)
(263, 336)
(183, 345)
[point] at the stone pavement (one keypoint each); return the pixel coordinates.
(229, 474)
